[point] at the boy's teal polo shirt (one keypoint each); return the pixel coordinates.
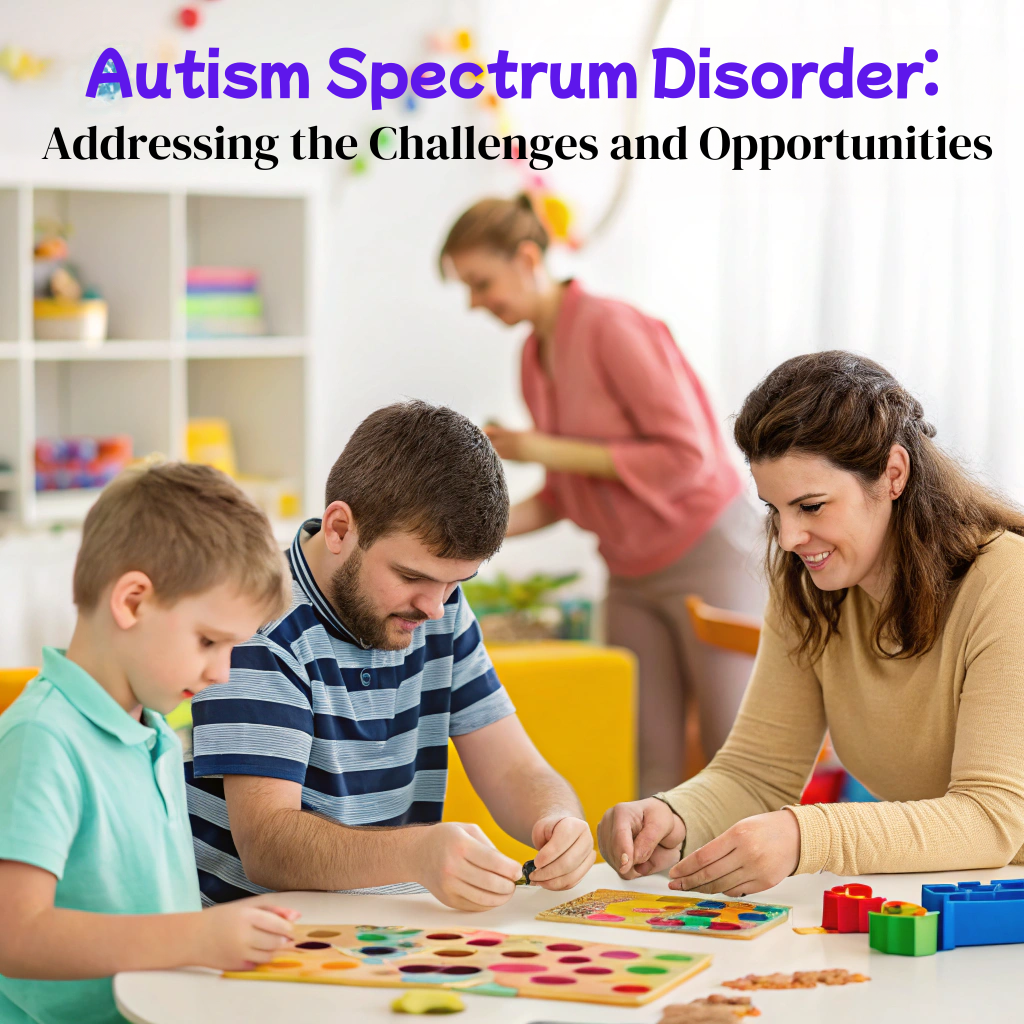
(97, 799)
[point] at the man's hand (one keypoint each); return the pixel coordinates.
(565, 852)
(461, 867)
(755, 854)
(640, 838)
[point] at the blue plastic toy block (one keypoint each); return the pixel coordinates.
(972, 914)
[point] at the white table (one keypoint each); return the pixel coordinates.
(968, 984)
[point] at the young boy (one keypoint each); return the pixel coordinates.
(97, 873)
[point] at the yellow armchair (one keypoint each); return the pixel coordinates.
(12, 682)
(577, 702)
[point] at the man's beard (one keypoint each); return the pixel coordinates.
(356, 611)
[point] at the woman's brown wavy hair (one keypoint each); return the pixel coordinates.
(851, 411)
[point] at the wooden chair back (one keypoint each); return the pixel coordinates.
(720, 628)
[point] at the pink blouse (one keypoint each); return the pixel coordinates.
(620, 379)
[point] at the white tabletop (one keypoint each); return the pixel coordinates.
(951, 986)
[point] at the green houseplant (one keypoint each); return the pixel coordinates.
(511, 610)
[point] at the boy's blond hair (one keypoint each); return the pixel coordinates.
(188, 528)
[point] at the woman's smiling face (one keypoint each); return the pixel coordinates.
(835, 523)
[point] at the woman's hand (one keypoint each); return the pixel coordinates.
(560, 454)
(510, 444)
(755, 854)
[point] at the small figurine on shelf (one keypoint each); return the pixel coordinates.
(63, 309)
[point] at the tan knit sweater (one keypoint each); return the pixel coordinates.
(939, 738)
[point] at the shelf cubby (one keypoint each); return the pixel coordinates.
(121, 244)
(267, 234)
(104, 398)
(262, 401)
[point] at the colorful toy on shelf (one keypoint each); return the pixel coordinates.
(722, 918)
(478, 962)
(68, 463)
(845, 908)
(972, 914)
(278, 498)
(223, 302)
(63, 309)
(209, 442)
(904, 929)
(84, 320)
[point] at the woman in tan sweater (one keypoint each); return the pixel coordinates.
(896, 621)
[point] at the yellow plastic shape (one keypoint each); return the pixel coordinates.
(12, 682)
(208, 441)
(421, 1000)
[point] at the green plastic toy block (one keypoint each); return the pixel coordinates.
(906, 936)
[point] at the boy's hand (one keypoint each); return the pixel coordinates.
(565, 852)
(641, 837)
(237, 936)
(461, 867)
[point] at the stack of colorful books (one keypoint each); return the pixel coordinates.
(223, 302)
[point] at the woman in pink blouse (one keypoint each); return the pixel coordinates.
(634, 454)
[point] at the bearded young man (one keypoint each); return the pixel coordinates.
(322, 763)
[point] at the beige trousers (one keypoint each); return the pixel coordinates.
(647, 614)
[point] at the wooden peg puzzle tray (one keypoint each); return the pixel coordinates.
(721, 918)
(471, 960)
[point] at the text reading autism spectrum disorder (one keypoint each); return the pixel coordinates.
(676, 75)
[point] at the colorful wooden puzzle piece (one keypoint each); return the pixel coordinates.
(478, 962)
(722, 918)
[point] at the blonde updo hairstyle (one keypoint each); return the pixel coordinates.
(497, 225)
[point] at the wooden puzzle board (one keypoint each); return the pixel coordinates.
(481, 962)
(720, 918)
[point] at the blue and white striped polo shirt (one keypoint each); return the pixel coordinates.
(364, 731)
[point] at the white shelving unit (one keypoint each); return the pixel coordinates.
(134, 243)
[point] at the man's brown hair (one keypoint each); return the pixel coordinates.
(851, 411)
(428, 470)
(188, 528)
